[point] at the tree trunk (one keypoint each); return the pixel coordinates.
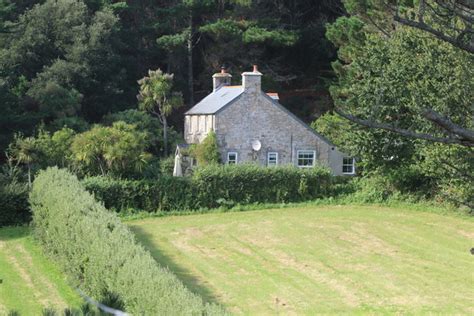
(190, 59)
(29, 176)
(165, 135)
(102, 171)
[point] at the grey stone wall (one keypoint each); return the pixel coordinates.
(196, 127)
(254, 116)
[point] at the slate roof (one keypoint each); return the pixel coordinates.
(216, 100)
(227, 94)
(220, 98)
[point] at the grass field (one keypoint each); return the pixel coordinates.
(29, 281)
(320, 259)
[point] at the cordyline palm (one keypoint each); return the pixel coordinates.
(156, 97)
(25, 152)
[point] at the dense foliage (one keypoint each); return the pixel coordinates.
(158, 98)
(206, 152)
(70, 73)
(62, 59)
(215, 186)
(147, 124)
(393, 74)
(14, 208)
(251, 183)
(100, 254)
(163, 194)
(117, 149)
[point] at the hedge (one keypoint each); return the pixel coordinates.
(213, 186)
(249, 183)
(100, 254)
(166, 193)
(14, 208)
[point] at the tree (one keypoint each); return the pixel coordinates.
(448, 20)
(370, 19)
(54, 149)
(118, 150)
(24, 151)
(156, 97)
(182, 17)
(57, 54)
(404, 92)
(6, 7)
(41, 151)
(452, 167)
(148, 124)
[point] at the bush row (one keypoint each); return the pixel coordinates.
(214, 186)
(166, 193)
(14, 208)
(250, 183)
(100, 254)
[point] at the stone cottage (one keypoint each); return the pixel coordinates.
(252, 126)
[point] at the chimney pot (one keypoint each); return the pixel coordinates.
(251, 81)
(220, 79)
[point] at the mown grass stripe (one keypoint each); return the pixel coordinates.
(321, 259)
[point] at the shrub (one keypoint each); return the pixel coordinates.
(144, 122)
(207, 152)
(118, 149)
(165, 193)
(214, 186)
(248, 183)
(100, 254)
(374, 189)
(167, 165)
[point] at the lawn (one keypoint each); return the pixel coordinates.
(29, 281)
(325, 259)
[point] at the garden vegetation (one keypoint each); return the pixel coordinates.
(216, 186)
(100, 254)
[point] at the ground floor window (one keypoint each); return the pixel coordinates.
(348, 165)
(232, 158)
(306, 158)
(272, 159)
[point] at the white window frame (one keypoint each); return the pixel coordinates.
(268, 158)
(236, 157)
(345, 165)
(305, 151)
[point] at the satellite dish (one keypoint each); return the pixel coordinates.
(256, 145)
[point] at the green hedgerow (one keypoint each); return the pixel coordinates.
(214, 186)
(100, 254)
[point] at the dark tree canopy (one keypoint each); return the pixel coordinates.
(441, 22)
(82, 58)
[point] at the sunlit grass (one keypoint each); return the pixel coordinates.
(320, 259)
(29, 281)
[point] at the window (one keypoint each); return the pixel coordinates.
(272, 159)
(348, 165)
(306, 158)
(231, 158)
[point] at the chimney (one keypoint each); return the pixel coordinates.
(220, 79)
(252, 81)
